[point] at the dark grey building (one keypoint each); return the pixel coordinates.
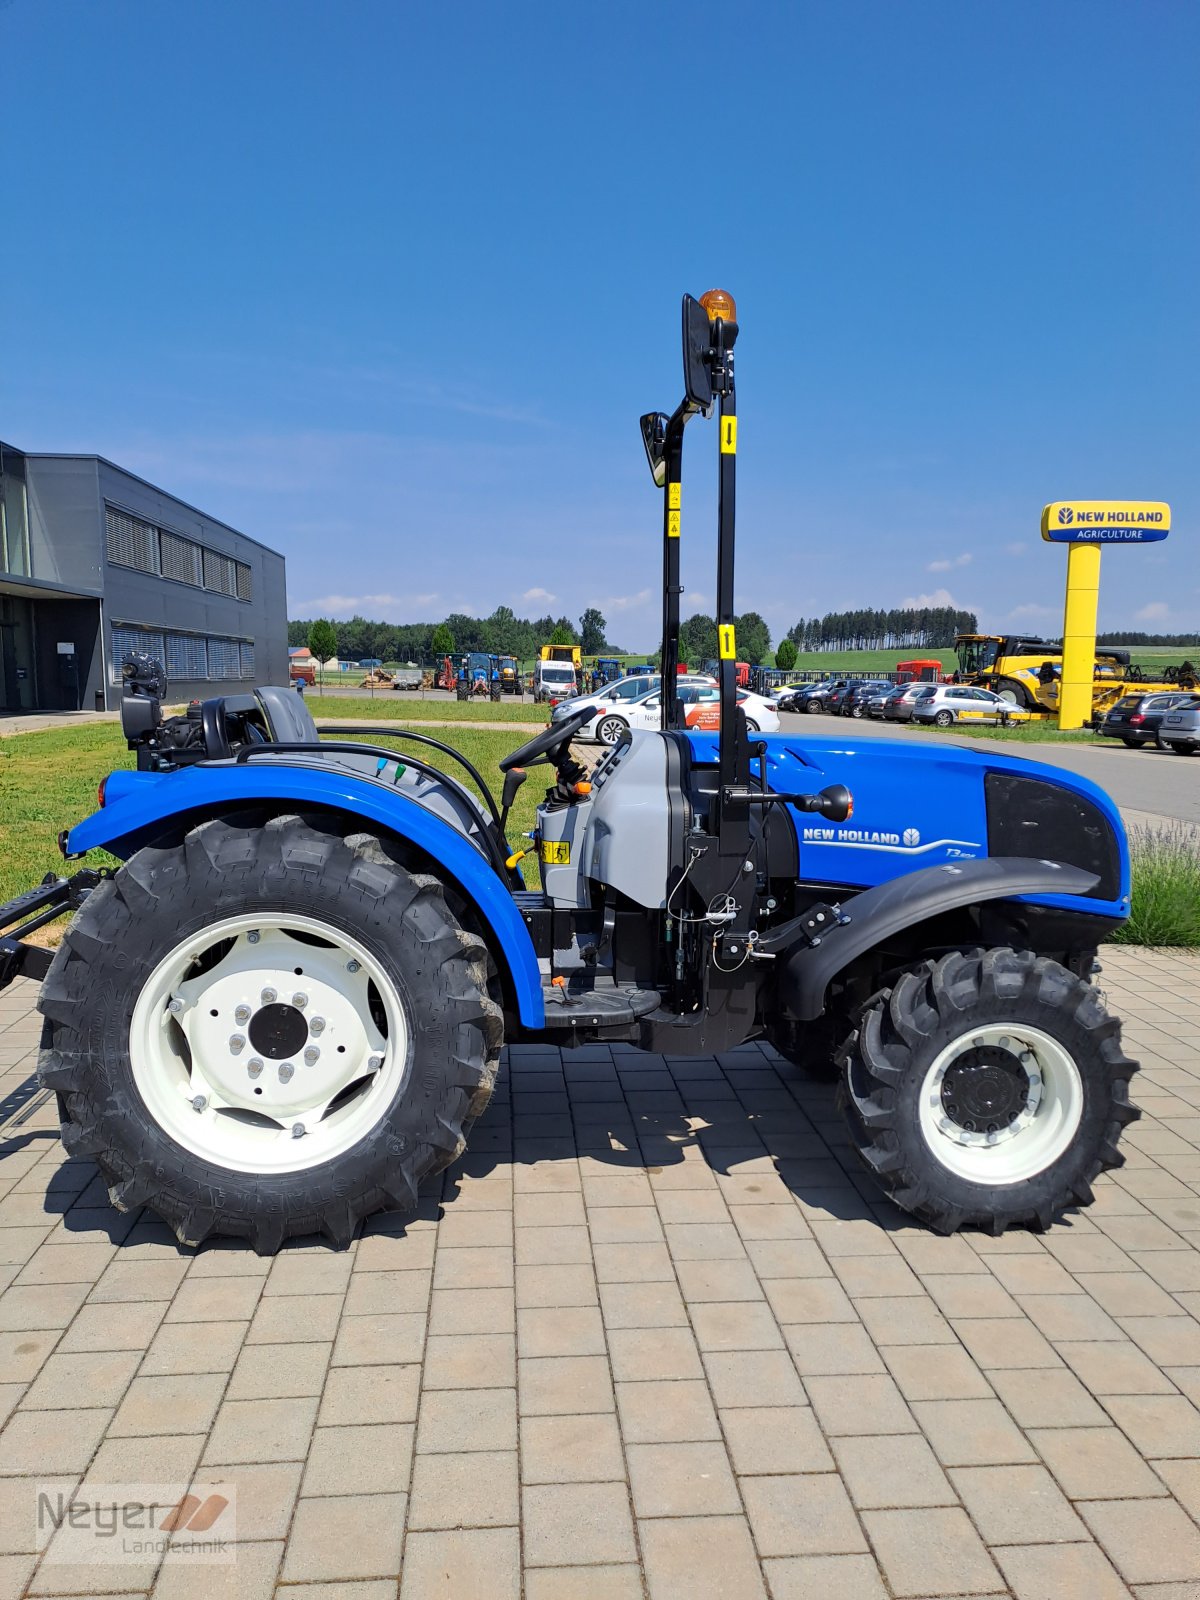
(95, 561)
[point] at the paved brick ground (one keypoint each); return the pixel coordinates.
(653, 1337)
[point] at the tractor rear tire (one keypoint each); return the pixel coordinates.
(1015, 693)
(172, 984)
(461, 692)
(987, 1090)
(494, 692)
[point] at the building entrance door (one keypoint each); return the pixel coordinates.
(16, 654)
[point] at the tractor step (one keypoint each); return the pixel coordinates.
(604, 1007)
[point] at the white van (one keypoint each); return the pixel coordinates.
(554, 680)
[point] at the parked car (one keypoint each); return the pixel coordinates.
(853, 702)
(898, 706)
(1180, 728)
(624, 691)
(1136, 718)
(812, 696)
(944, 704)
(612, 720)
(835, 700)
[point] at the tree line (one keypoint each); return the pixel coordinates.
(1171, 641)
(503, 633)
(902, 628)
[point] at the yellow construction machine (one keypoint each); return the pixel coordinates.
(1027, 671)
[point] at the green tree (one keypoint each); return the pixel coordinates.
(561, 635)
(322, 640)
(785, 655)
(753, 638)
(592, 627)
(442, 642)
(698, 640)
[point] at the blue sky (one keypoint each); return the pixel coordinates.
(387, 285)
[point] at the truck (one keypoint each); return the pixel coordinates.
(285, 1006)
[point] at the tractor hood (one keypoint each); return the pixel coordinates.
(922, 805)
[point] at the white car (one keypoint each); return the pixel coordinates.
(612, 720)
(944, 704)
(623, 692)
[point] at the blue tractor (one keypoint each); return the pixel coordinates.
(287, 1005)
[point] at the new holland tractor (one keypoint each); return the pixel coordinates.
(286, 1006)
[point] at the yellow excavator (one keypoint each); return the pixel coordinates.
(1027, 671)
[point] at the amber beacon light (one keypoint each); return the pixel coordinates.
(719, 303)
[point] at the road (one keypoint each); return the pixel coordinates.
(1145, 784)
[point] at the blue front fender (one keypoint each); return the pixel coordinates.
(139, 806)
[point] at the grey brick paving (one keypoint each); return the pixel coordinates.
(655, 1336)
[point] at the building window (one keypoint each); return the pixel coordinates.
(180, 558)
(186, 657)
(125, 640)
(14, 515)
(131, 542)
(244, 591)
(247, 653)
(218, 572)
(224, 658)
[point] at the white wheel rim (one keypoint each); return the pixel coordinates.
(610, 730)
(1041, 1133)
(220, 1085)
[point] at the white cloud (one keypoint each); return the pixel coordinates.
(539, 596)
(372, 606)
(1017, 548)
(939, 597)
(1032, 611)
(949, 563)
(625, 602)
(1156, 611)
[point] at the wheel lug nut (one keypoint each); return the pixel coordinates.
(352, 966)
(311, 1055)
(268, 997)
(299, 1001)
(297, 1130)
(285, 1072)
(317, 1025)
(254, 1067)
(199, 1103)
(242, 1015)
(253, 936)
(174, 1006)
(375, 1063)
(237, 1043)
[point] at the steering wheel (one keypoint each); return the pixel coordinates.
(548, 743)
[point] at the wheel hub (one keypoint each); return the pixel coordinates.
(986, 1089)
(278, 1031)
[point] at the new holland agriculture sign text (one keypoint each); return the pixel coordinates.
(1106, 521)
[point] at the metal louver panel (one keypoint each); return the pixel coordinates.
(218, 573)
(131, 542)
(126, 639)
(186, 657)
(247, 653)
(180, 558)
(224, 660)
(244, 589)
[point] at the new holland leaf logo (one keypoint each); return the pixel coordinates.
(1065, 514)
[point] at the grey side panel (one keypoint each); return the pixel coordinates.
(901, 902)
(628, 838)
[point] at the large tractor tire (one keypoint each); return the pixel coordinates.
(268, 1031)
(1014, 693)
(461, 691)
(494, 692)
(987, 1090)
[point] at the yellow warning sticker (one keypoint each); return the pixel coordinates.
(555, 852)
(727, 642)
(673, 493)
(729, 436)
(672, 524)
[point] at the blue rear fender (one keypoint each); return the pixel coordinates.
(140, 807)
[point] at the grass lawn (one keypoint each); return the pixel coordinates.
(1044, 730)
(403, 708)
(48, 781)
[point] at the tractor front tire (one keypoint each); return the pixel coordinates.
(987, 1090)
(268, 1031)
(461, 692)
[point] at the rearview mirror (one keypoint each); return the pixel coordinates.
(654, 437)
(697, 345)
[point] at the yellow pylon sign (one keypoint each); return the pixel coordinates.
(1084, 526)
